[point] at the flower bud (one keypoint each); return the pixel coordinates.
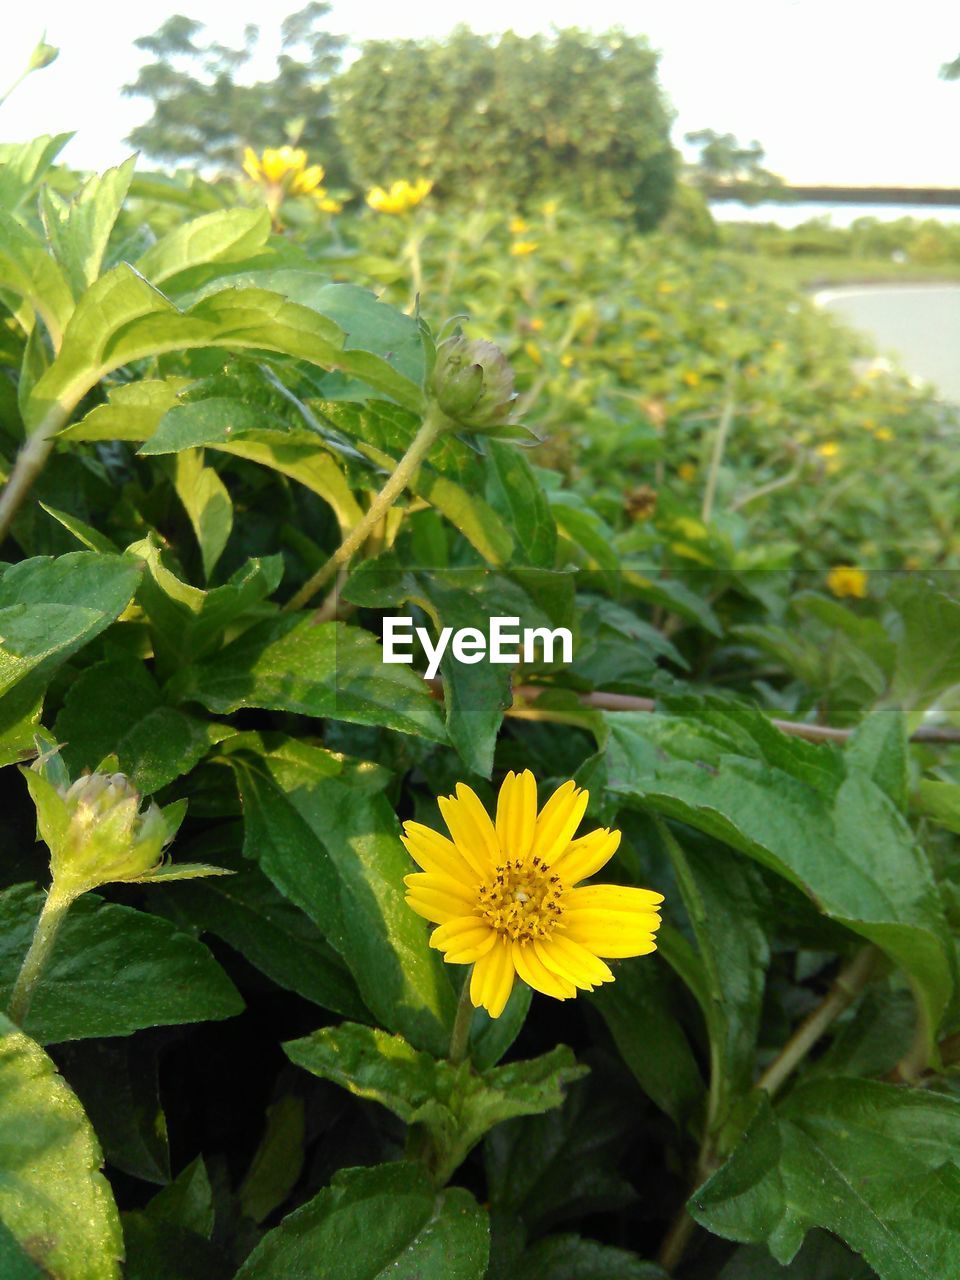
(97, 832)
(472, 383)
(43, 54)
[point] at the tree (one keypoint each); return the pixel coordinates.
(201, 114)
(724, 161)
(571, 115)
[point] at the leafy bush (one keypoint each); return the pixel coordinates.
(575, 115)
(227, 462)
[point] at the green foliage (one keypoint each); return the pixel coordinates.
(195, 412)
(572, 115)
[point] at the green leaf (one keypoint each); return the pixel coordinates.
(79, 229)
(384, 1220)
(132, 411)
(717, 891)
(28, 270)
(515, 493)
(187, 1201)
(207, 503)
(113, 971)
(928, 659)
(873, 1163)
(840, 840)
(455, 1105)
(268, 930)
(328, 839)
(226, 236)
(879, 748)
(248, 431)
(941, 802)
(83, 532)
(53, 1199)
(278, 1162)
(570, 1257)
(49, 609)
(290, 663)
(640, 1011)
(116, 708)
(23, 165)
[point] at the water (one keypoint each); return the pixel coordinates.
(839, 215)
(917, 325)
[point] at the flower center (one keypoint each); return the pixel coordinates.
(522, 901)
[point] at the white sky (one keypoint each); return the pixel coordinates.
(836, 90)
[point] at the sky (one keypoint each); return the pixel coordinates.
(837, 91)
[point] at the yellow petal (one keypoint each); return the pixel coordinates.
(437, 907)
(433, 882)
(434, 852)
(517, 814)
(468, 930)
(612, 921)
(573, 961)
(558, 820)
(535, 973)
(492, 979)
(471, 829)
(251, 163)
(585, 857)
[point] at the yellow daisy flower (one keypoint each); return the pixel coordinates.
(520, 248)
(504, 893)
(307, 180)
(844, 580)
(517, 226)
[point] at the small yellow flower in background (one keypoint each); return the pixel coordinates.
(883, 433)
(325, 203)
(520, 248)
(778, 346)
(536, 324)
(517, 226)
(400, 197)
(665, 287)
(651, 335)
(567, 360)
(829, 449)
(274, 164)
(843, 580)
(533, 351)
(720, 304)
(307, 180)
(504, 895)
(691, 377)
(549, 208)
(687, 471)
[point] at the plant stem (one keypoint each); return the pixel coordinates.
(719, 446)
(31, 460)
(34, 962)
(847, 985)
(433, 425)
(460, 1036)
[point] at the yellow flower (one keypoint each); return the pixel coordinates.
(843, 580)
(549, 208)
(687, 472)
(517, 226)
(275, 163)
(567, 360)
(520, 248)
(307, 180)
(536, 324)
(505, 899)
(325, 203)
(883, 433)
(719, 304)
(665, 287)
(400, 197)
(533, 351)
(829, 449)
(691, 378)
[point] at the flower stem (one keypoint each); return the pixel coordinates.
(35, 961)
(460, 1036)
(719, 446)
(433, 425)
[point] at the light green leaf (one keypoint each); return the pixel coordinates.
(91, 538)
(132, 411)
(227, 236)
(515, 493)
(873, 1163)
(113, 971)
(207, 503)
(28, 270)
(928, 657)
(79, 229)
(289, 663)
(23, 165)
(388, 1220)
(53, 1199)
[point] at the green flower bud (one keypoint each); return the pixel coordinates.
(43, 55)
(97, 832)
(472, 383)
